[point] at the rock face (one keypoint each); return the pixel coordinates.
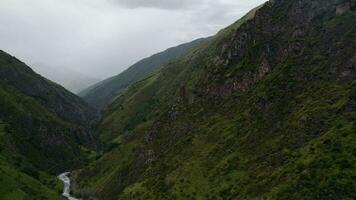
(265, 110)
(343, 7)
(267, 51)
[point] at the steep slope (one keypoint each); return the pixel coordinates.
(17, 179)
(50, 95)
(44, 129)
(103, 93)
(25, 182)
(265, 110)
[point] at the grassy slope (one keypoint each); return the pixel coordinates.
(103, 93)
(26, 137)
(53, 97)
(38, 139)
(290, 134)
(20, 186)
(135, 111)
(18, 178)
(30, 157)
(135, 106)
(49, 125)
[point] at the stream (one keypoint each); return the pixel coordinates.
(66, 188)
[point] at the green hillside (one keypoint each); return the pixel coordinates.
(44, 130)
(103, 93)
(22, 162)
(20, 181)
(265, 110)
(53, 97)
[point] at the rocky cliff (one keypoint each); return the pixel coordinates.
(265, 110)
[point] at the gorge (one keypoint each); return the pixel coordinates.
(264, 109)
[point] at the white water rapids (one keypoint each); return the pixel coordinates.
(66, 188)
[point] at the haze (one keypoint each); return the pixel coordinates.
(100, 38)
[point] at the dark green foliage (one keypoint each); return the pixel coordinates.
(21, 78)
(46, 124)
(44, 130)
(103, 93)
(264, 110)
(19, 179)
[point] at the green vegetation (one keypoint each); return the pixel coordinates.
(20, 186)
(103, 93)
(19, 179)
(26, 139)
(264, 110)
(43, 131)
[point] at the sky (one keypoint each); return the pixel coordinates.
(101, 38)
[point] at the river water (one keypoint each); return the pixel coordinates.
(66, 188)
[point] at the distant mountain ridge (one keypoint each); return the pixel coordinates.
(103, 93)
(69, 79)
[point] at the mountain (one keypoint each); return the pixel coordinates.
(69, 79)
(44, 130)
(103, 93)
(266, 109)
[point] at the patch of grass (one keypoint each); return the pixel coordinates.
(20, 186)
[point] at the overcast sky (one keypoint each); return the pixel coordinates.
(100, 38)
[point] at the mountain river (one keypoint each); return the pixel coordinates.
(66, 188)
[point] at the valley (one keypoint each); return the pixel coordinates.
(264, 109)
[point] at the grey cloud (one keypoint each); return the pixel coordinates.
(100, 39)
(160, 4)
(212, 15)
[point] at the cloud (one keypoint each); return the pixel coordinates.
(99, 38)
(159, 4)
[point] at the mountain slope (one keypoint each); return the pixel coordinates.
(15, 184)
(50, 95)
(44, 130)
(103, 93)
(18, 178)
(265, 110)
